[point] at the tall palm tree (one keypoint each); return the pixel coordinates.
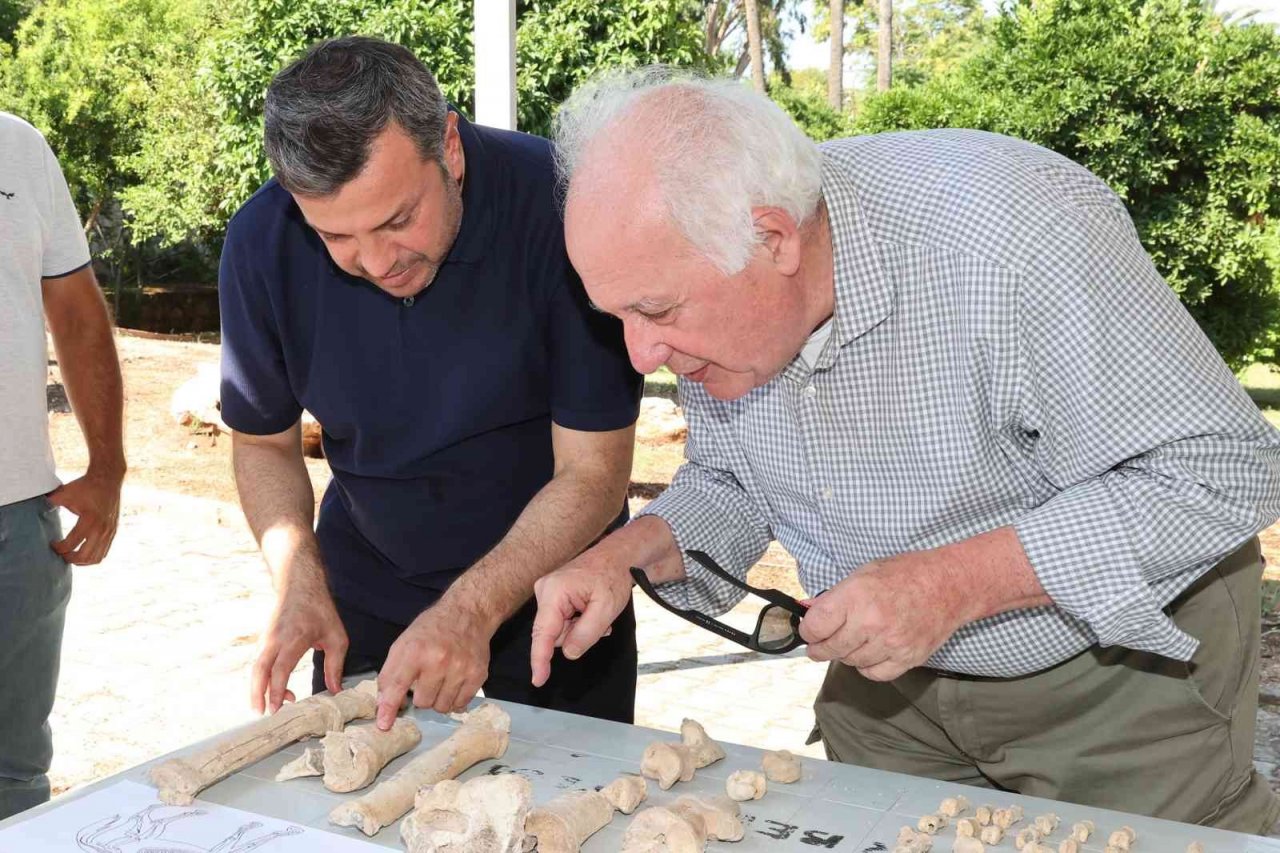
(884, 56)
(755, 45)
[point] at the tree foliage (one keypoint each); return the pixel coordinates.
(1178, 111)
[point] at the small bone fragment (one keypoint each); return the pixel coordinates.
(991, 834)
(721, 818)
(484, 815)
(1046, 823)
(983, 815)
(310, 763)
(180, 779)
(1037, 847)
(921, 844)
(745, 785)
(1195, 847)
(953, 806)
(967, 827)
(1082, 830)
(906, 835)
(562, 825)
(1005, 818)
(626, 792)
(1122, 838)
(931, 823)
(781, 766)
(667, 763)
(703, 749)
(482, 735)
(1069, 845)
(355, 756)
(661, 830)
(1026, 837)
(967, 844)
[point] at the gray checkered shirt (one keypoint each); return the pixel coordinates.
(1003, 353)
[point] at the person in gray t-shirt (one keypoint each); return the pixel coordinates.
(45, 275)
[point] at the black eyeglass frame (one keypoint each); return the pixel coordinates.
(776, 598)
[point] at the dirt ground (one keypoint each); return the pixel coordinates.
(166, 456)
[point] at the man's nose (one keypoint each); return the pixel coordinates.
(378, 259)
(645, 347)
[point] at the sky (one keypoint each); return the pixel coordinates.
(804, 52)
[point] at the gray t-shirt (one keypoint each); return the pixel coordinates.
(40, 237)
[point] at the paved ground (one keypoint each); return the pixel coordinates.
(160, 638)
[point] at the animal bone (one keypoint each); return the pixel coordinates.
(745, 785)
(667, 763)
(354, 757)
(483, 734)
(1046, 823)
(781, 766)
(180, 779)
(1026, 837)
(931, 823)
(1195, 847)
(991, 834)
(1122, 838)
(910, 841)
(703, 749)
(1036, 847)
(983, 815)
(684, 827)
(485, 815)
(967, 844)
(953, 806)
(1082, 830)
(1005, 818)
(967, 827)
(1069, 845)
(310, 763)
(562, 825)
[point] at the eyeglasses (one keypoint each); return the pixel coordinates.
(777, 627)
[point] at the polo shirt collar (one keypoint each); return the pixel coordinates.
(864, 293)
(475, 234)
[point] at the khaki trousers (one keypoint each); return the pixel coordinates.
(1110, 727)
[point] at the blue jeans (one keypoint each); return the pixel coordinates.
(35, 585)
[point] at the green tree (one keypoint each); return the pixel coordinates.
(1176, 110)
(12, 13)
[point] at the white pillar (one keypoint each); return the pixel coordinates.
(495, 41)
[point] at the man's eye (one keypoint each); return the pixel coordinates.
(657, 315)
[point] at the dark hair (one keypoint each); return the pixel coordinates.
(324, 110)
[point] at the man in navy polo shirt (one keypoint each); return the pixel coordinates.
(404, 278)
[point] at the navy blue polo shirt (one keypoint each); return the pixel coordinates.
(436, 410)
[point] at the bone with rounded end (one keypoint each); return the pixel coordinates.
(721, 818)
(703, 749)
(982, 814)
(1005, 818)
(911, 841)
(1082, 830)
(991, 834)
(1046, 823)
(967, 827)
(1123, 838)
(626, 792)
(484, 815)
(1026, 836)
(180, 779)
(781, 766)
(1195, 847)
(354, 756)
(562, 825)
(482, 735)
(1069, 845)
(967, 844)
(953, 806)
(931, 823)
(310, 763)
(743, 785)
(662, 830)
(667, 763)
(1036, 847)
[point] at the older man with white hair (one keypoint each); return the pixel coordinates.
(939, 368)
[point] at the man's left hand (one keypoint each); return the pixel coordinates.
(443, 657)
(95, 500)
(887, 617)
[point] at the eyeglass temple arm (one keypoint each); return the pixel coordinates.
(772, 596)
(696, 616)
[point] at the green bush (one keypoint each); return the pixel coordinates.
(1178, 111)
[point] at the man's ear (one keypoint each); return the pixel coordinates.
(454, 159)
(779, 236)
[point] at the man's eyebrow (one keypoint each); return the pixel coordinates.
(399, 212)
(651, 306)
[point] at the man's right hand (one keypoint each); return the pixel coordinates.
(305, 618)
(579, 601)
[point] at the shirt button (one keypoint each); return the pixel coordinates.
(826, 493)
(408, 302)
(810, 391)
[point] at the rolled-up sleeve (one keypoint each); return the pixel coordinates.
(1161, 462)
(708, 509)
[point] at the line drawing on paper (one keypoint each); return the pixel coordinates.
(147, 831)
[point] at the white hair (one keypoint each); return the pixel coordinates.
(718, 149)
